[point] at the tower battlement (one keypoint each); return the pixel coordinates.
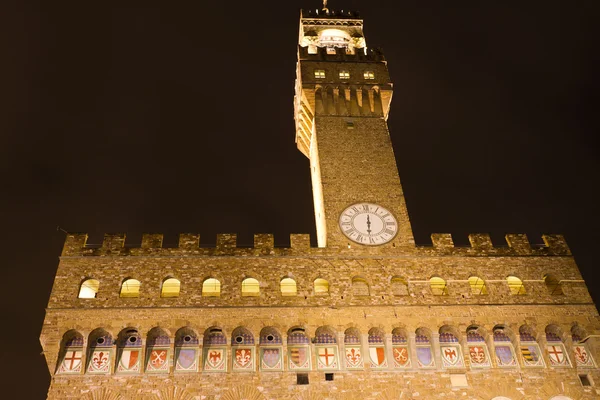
(329, 15)
(264, 245)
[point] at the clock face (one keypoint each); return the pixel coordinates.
(368, 224)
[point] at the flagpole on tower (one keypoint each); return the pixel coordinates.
(325, 6)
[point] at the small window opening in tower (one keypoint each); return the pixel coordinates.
(350, 124)
(288, 287)
(321, 286)
(438, 286)
(344, 74)
(329, 376)
(369, 75)
(211, 287)
(320, 73)
(250, 287)
(301, 379)
(130, 288)
(515, 285)
(585, 380)
(89, 289)
(170, 288)
(477, 285)
(553, 285)
(332, 38)
(331, 50)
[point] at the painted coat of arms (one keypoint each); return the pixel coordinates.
(243, 359)
(452, 357)
(425, 357)
(327, 358)
(299, 358)
(505, 356)
(582, 357)
(158, 361)
(377, 355)
(530, 353)
(129, 361)
(215, 360)
(187, 360)
(99, 362)
(71, 363)
(270, 359)
(557, 355)
(354, 357)
(401, 356)
(478, 356)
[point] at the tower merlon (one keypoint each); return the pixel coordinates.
(518, 244)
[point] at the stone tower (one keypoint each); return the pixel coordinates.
(365, 315)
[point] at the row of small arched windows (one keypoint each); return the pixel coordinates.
(250, 287)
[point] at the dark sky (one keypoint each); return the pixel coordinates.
(158, 117)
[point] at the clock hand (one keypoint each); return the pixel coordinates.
(368, 225)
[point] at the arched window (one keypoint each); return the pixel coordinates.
(438, 286)
(530, 350)
(129, 346)
(479, 355)
(423, 346)
(71, 354)
(377, 348)
(503, 348)
(271, 350)
(215, 350)
(583, 356)
(288, 287)
(130, 288)
(515, 285)
(353, 349)
(360, 287)
(100, 353)
(186, 350)
(242, 347)
(321, 286)
(553, 285)
(298, 346)
(250, 287)
(557, 353)
(326, 348)
(450, 348)
(89, 289)
(399, 286)
(477, 285)
(211, 287)
(158, 347)
(170, 288)
(400, 351)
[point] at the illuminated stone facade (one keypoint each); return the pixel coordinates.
(390, 320)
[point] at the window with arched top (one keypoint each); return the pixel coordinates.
(377, 353)
(215, 350)
(130, 288)
(553, 285)
(438, 286)
(478, 353)
(242, 350)
(477, 285)
(250, 287)
(555, 348)
(89, 289)
(399, 286)
(503, 347)
(360, 286)
(581, 352)
(423, 347)
(321, 286)
(170, 288)
(298, 345)
(211, 287)
(515, 285)
(288, 287)
(326, 348)
(450, 348)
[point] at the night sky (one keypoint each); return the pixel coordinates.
(170, 118)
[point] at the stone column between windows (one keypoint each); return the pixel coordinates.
(435, 342)
(412, 350)
(341, 351)
(389, 354)
(365, 350)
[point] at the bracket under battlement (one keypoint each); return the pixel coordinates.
(264, 245)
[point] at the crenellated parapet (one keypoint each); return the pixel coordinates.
(264, 245)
